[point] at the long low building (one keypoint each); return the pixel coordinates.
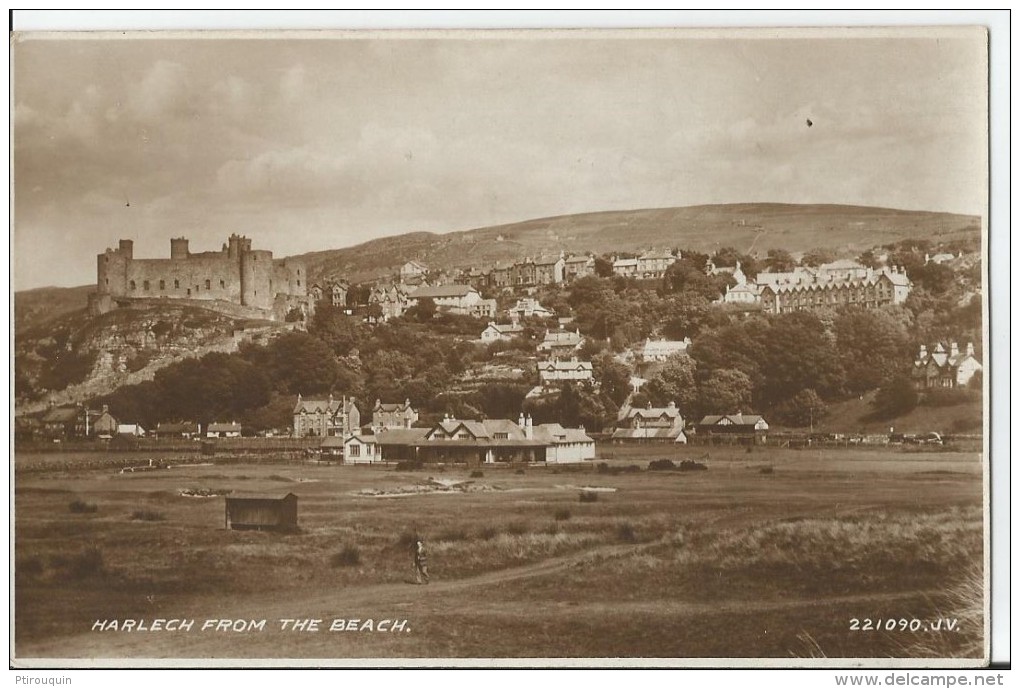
(460, 441)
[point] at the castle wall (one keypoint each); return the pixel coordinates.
(237, 275)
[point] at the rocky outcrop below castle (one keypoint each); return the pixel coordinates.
(79, 357)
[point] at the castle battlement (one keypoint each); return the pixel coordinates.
(236, 274)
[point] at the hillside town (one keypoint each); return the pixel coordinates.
(521, 362)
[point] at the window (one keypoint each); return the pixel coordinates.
(464, 436)
(162, 285)
(355, 450)
(132, 285)
(501, 436)
(177, 285)
(145, 285)
(298, 283)
(189, 291)
(222, 284)
(107, 281)
(208, 284)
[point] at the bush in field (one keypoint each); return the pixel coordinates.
(408, 465)
(661, 465)
(588, 496)
(488, 533)
(519, 472)
(348, 557)
(84, 565)
(79, 506)
(453, 535)
(625, 532)
(407, 540)
(148, 516)
(562, 514)
(477, 474)
(517, 528)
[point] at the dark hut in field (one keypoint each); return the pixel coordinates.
(262, 512)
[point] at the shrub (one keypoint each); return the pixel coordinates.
(562, 514)
(488, 533)
(453, 535)
(766, 470)
(588, 496)
(408, 465)
(277, 477)
(79, 506)
(348, 557)
(625, 533)
(691, 465)
(477, 474)
(83, 565)
(148, 516)
(519, 472)
(602, 467)
(517, 528)
(661, 465)
(948, 397)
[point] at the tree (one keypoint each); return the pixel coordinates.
(873, 347)
(302, 363)
(895, 398)
(342, 333)
(685, 276)
(724, 391)
(613, 376)
(676, 382)
(869, 259)
(423, 312)
(603, 267)
(803, 409)
(726, 256)
(779, 261)
(818, 256)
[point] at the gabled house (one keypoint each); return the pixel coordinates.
(626, 267)
(564, 445)
(453, 298)
(496, 332)
(132, 430)
(555, 371)
(575, 267)
(654, 264)
(481, 442)
(412, 272)
(325, 417)
(660, 350)
(559, 344)
(943, 367)
(529, 307)
(102, 424)
(63, 422)
(549, 271)
(747, 428)
(650, 424)
(483, 308)
(223, 430)
(391, 300)
(396, 415)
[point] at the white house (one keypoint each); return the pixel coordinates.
(223, 430)
(660, 350)
(550, 372)
(132, 429)
(454, 298)
(495, 332)
(360, 448)
(564, 445)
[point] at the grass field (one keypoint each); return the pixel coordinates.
(770, 554)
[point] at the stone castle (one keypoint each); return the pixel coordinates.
(236, 280)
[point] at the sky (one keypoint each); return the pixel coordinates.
(306, 145)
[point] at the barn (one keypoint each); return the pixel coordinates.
(262, 512)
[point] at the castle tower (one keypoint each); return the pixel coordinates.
(126, 248)
(179, 248)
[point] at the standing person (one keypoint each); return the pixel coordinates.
(421, 569)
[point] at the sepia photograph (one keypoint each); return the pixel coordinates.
(619, 347)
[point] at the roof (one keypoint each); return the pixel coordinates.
(555, 433)
(183, 427)
(332, 441)
(565, 366)
(60, 415)
(442, 291)
(653, 412)
(320, 406)
(415, 264)
(505, 329)
(735, 419)
(657, 347)
(656, 255)
(842, 264)
(262, 496)
(218, 427)
(579, 259)
(623, 262)
(548, 261)
(400, 436)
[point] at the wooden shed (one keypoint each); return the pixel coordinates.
(262, 512)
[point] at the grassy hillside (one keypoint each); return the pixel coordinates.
(852, 417)
(754, 226)
(43, 307)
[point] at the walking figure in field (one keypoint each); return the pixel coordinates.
(421, 569)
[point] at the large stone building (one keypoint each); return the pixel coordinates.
(841, 286)
(326, 418)
(944, 367)
(235, 276)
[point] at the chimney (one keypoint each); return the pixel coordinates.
(520, 420)
(528, 431)
(107, 409)
(954, 350)
(923, 353)
(970, 349)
